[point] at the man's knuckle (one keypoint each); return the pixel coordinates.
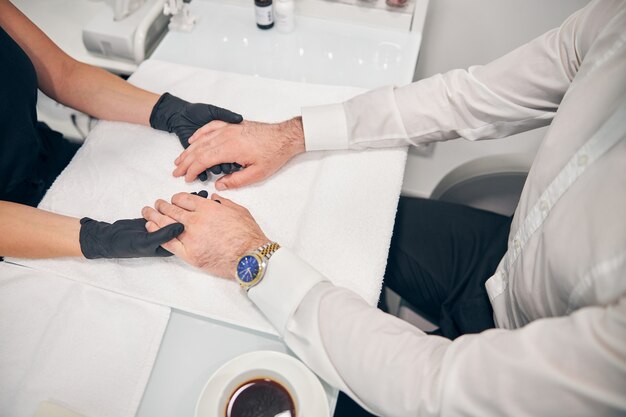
(205, 157)
(179, 198)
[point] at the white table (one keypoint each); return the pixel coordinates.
(318, 51)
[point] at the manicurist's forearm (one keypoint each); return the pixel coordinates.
(27, 232)
(106, 96)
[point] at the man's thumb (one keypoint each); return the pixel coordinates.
(246, 176)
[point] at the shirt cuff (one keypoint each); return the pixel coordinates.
(287, 280)
(325, 128)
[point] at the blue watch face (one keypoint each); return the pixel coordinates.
(248, 268)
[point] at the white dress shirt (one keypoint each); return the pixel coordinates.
(559, 292)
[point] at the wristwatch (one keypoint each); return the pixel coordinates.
(251, 266)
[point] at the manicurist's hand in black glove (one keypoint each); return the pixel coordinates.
(28, 232)
(124, 239)
(178, 116)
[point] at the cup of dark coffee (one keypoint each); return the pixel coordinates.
(258, 393)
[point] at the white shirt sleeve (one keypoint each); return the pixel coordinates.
(574, 365)
(519, 91)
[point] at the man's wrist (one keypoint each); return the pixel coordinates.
(250, 246)
(293, 131)
(279, 294)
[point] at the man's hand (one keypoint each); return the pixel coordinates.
(217, 231)
(260, 148)
(178, 116)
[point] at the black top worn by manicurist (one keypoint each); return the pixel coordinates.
(31, 154)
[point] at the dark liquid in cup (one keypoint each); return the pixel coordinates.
(261, 397)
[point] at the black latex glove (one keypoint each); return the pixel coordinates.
(225, 168)
(201, 193)
(175, 115)
(205, 194)
(124, 239)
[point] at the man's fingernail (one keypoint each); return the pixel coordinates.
(220, 186)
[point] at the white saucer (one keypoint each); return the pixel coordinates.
(300, 381)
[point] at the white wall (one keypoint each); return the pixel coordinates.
(461, 33)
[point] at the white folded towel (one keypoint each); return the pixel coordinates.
(336, 210)
(74, 345)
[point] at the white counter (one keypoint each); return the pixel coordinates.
(317, 51)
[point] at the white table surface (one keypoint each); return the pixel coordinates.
(192, 349)
(318, 51)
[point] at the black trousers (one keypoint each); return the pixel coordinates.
(54, 153)
(441, 254)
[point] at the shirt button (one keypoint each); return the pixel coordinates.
(543, 205)
(516, 244)
(582, 160)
